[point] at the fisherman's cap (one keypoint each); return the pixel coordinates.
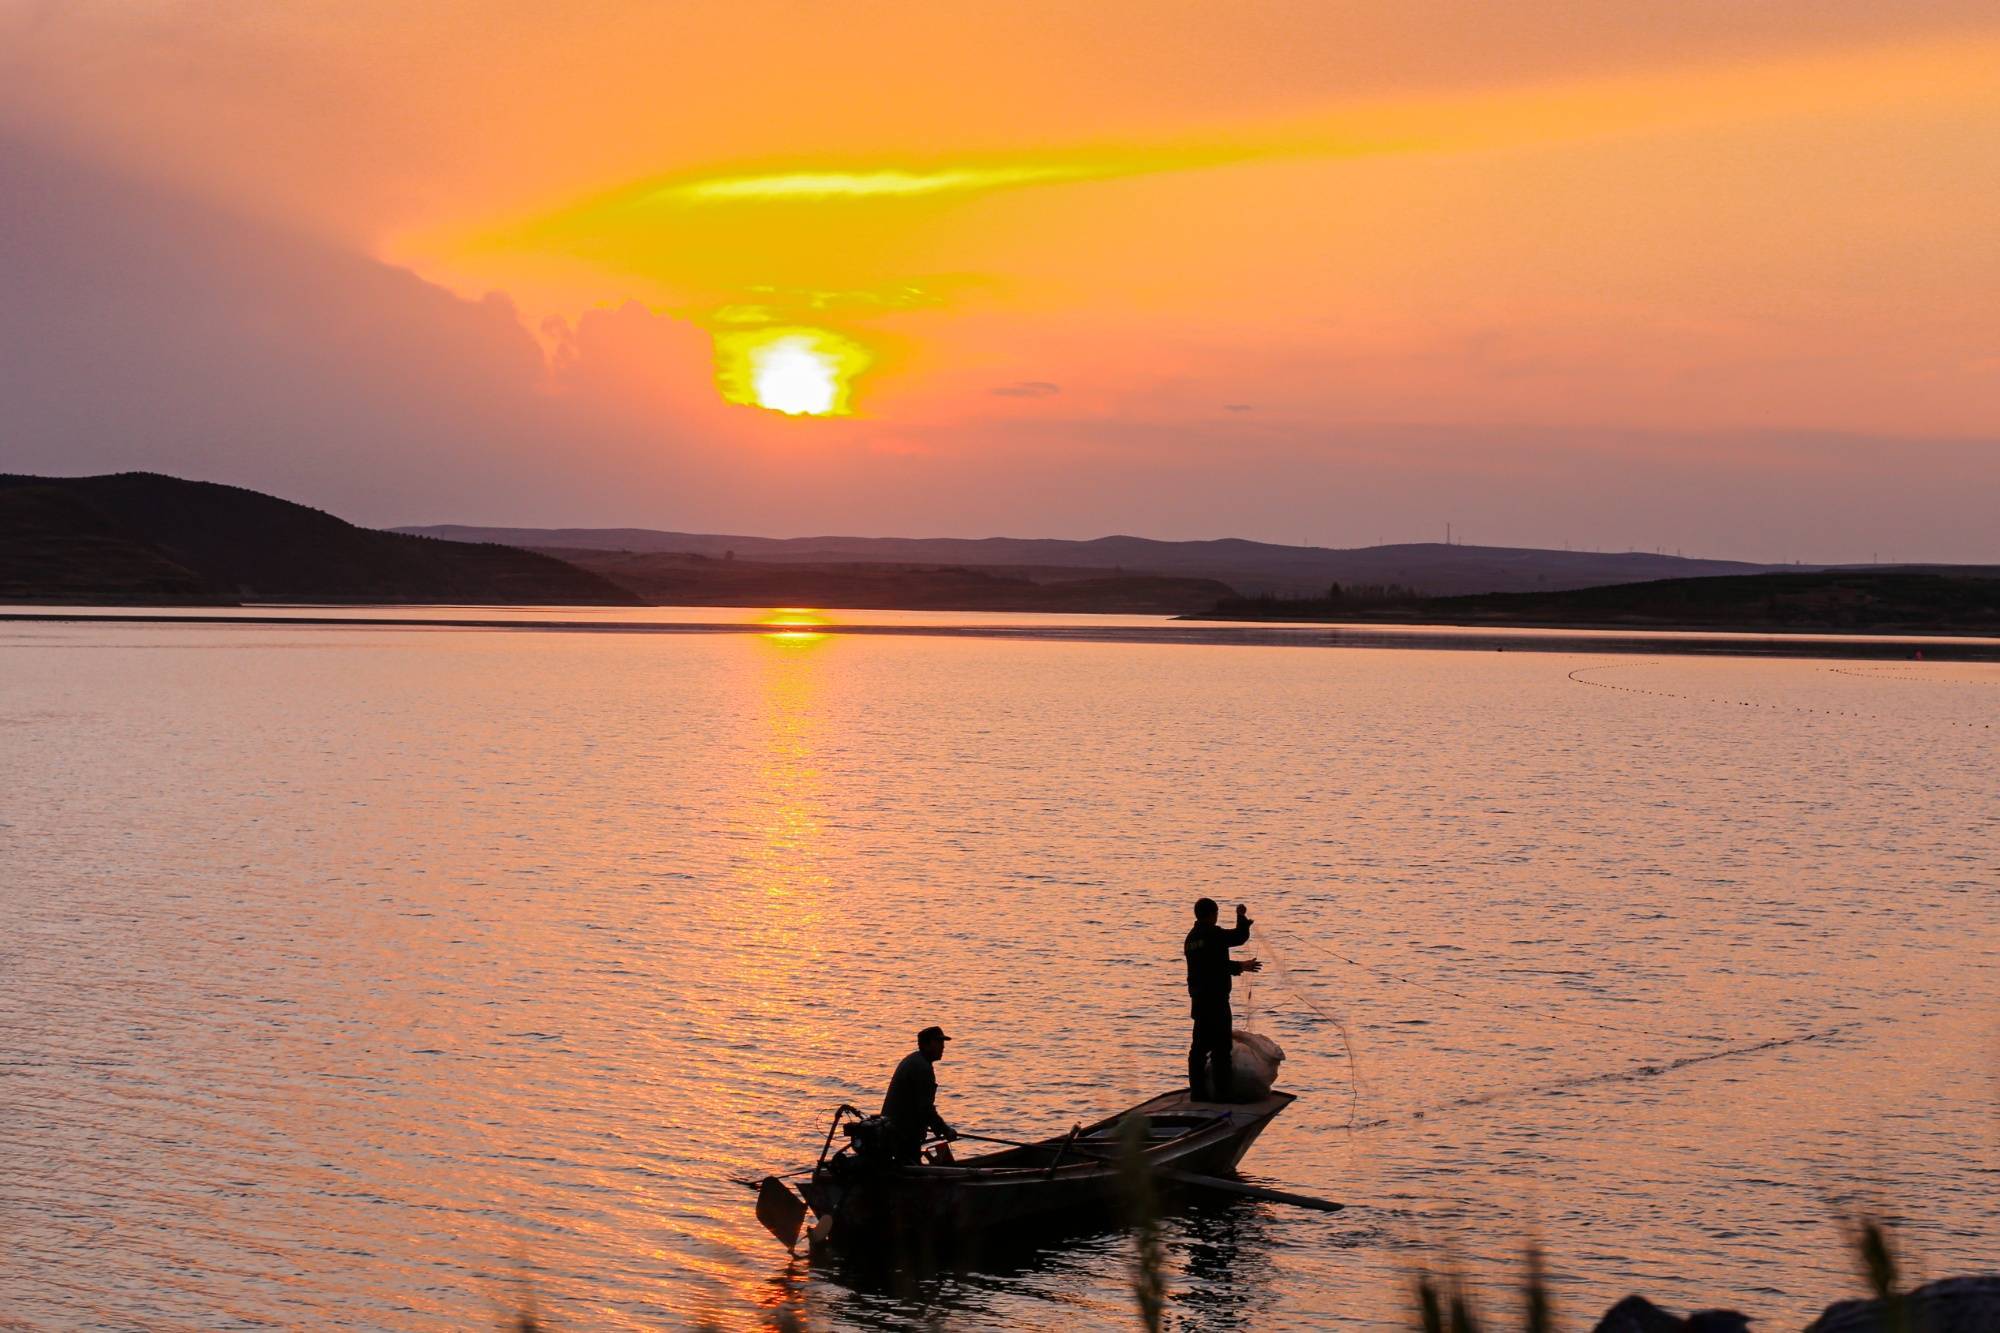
(931, 1032)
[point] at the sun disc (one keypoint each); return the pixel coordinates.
(794, 377)
(798, 371)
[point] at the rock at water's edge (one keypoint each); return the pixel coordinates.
(1636, 1314)
(1954, 1305)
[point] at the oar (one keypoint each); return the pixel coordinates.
(1194, 1179)
(988, 1138)
(1248, 1191)
(755, 1185)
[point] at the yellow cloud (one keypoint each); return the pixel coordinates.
(816, 226)
(863, 184)
(736, 227)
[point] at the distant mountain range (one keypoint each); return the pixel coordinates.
(138, 537)
(142, 537)
(1248, 567)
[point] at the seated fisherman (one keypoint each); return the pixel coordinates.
(911, 1103)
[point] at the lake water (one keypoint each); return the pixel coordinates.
(384, 977)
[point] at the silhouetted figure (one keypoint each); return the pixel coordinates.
(911, 1103)
(1210, 973)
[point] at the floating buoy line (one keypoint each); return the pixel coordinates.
(1580, 673)
(1643, 1070)
(1649, 1069)
(1911, 675)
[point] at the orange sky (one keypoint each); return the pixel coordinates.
(1616, 272)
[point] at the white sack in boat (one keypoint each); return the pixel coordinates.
(1253, 1061)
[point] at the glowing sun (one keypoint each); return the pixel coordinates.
(801, 372)
(793, 377)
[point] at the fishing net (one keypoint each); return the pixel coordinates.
(1253, 1062)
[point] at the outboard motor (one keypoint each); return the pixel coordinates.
(871, 1140)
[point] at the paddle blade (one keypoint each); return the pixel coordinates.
(782, 1212)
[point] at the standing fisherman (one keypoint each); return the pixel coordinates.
(1209, 973)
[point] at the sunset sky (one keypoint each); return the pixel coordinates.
(1713, 276)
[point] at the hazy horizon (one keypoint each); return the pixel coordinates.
(1456, 537)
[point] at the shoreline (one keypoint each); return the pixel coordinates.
(1601, 627)
(1661, 640)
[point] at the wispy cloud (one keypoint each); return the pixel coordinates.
(857, 189)
(881, 184)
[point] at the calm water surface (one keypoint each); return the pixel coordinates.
(374, 978)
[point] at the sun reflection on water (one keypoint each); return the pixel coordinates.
(769, 955)
(782, 875)
(794, 624)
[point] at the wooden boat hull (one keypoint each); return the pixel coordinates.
(915, 1211)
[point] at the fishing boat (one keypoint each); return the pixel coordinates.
(863, 1200)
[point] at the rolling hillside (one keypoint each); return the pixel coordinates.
(1249, 567)
(139, 536)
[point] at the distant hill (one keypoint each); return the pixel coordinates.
(139, 536)
(699, 580)
(1249, 567)
(1893, 600)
